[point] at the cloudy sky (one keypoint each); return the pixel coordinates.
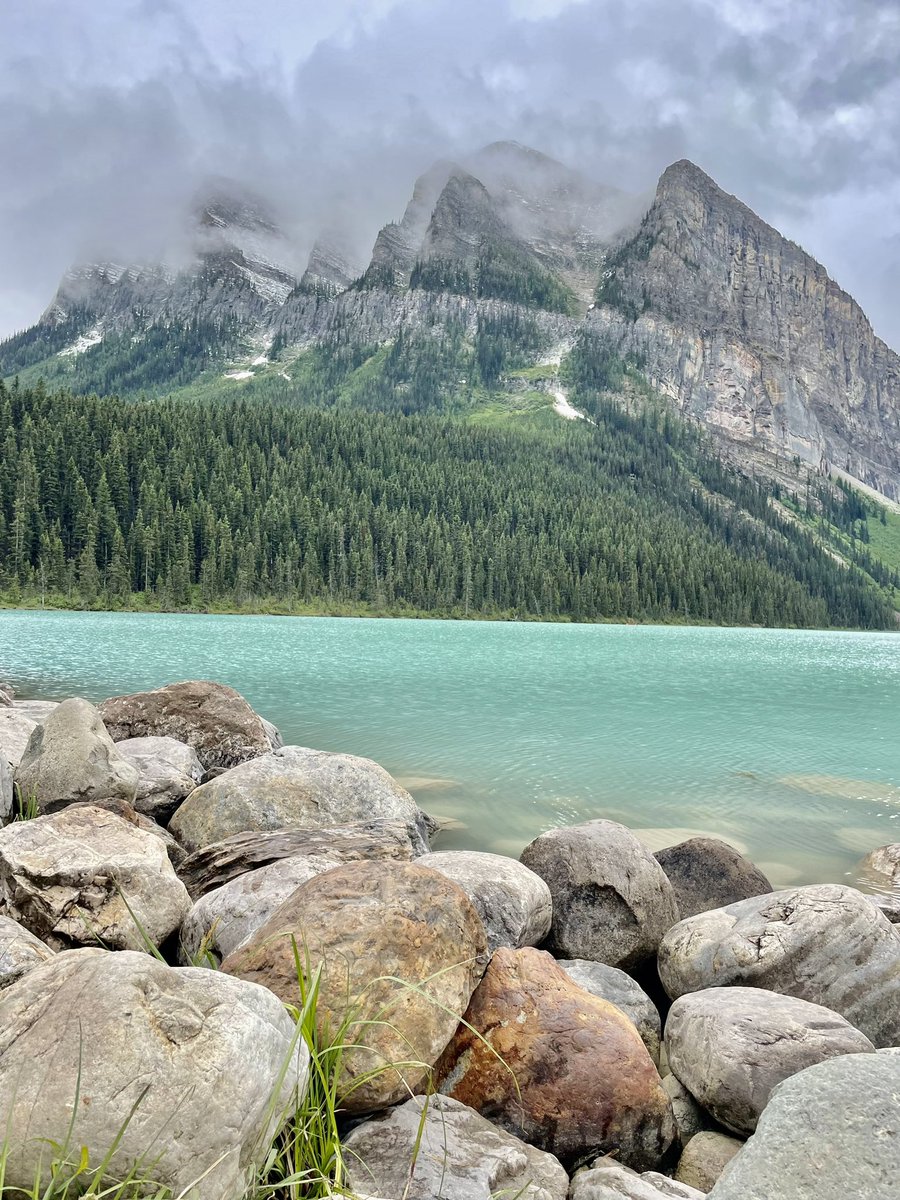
(112, 112)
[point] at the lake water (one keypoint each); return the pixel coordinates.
(785, 743)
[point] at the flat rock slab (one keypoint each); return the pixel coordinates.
(71, 759)
(204, 1064)
(513, 903)
(85, 876)
(20, 951)
(832, 1132)
(731, 1046)
(826, 943)
(707, 873)
(401, 949)
(609, 1180)
(612, 902)
(705, 1158)
(556, 1066)
(461, 1157)
(295, 787)
(168, 771)
(609, 983)
(214, 719)
(218, 864)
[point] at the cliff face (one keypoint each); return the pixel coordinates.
(747, 333)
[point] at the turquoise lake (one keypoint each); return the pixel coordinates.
(785, 743)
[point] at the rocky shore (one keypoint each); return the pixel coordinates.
(591, 1022)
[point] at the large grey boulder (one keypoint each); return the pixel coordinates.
(705, 1158)
(609, 983)
(514, 904)
(168, 772)
(607, 1179)
(707, 873)
(828, 1133)
(214, 719)
(222, 920)
(71, 759)
(196, 1069)
(612, 902)
(20, 951)
(295, 786)
(212, 866)
(826, 944)
(6, 791)
(15, 730)
(730, 1046)
(462, 1156)
(85, 875)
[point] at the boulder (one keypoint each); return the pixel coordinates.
(6, 695)
(71, 759)
(193, 1068)
(611, 899)
(825, 943)
(884, 864)
(556, 1066)
(20, 951)
(609, 983)
(461, 1156)
(707, 873)
(608, 1180)
(689, 1116)
(401, 949)
(730, 1046)
(705, 1158)
(273, 733)
(215, 865)
(85, 875)
(212, 718)
(222, 920)
(168, 772)
(16, 729)
(827, 1133)
(7, 795)
(296, 787)
(513, 903)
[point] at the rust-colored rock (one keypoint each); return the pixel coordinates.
(572, 1077)
(370, 925)
(216, 720)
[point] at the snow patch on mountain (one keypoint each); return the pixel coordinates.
(93, 338)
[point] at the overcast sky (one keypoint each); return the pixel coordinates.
(113, 111)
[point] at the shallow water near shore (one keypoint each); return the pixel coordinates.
(785, 743)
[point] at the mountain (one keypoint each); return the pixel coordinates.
(503, 266)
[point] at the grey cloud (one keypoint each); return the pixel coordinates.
(111, 115)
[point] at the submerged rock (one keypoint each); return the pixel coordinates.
(609, 983)
(20, 951)
(730, 1046)
(825, 943)
(71, 759)
(84, 876)
(461, 1157)
(194, 1069)
(212, 718)
(557, 1066)
(396, 942)
(168, 771)
(296, 787)
(707, 873)
(612, 902)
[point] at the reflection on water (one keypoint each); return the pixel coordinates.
(783, 743)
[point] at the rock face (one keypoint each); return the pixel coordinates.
(168, 772)
(828, 1133)
(71, 759)
(221, 862)
(572, 1076)
(826, 944)
(609, 983)
(730, 1046)
(222, 920)
(20, 951)
(212, 718)
(72, 877)
(707, 873)
(369, 924)
(296, 787)
(462, 1157)
(612, 902)
(704, 1160)
(514, 904)
(6, 791)
(195, 1056)
(609, 1180)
